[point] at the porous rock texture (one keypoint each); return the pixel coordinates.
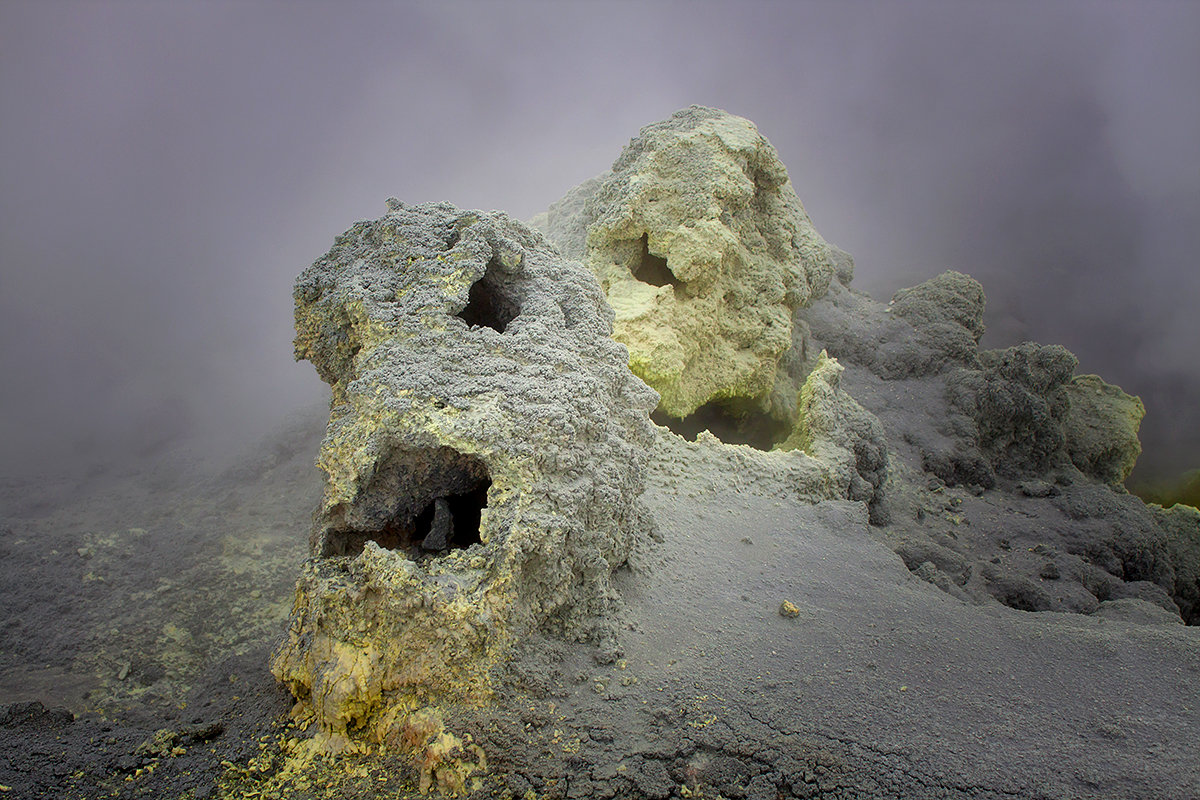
(1006, 468)
(925, 330)
(1181, 524)
(484, 460)
(1032, 414)
(704, 252)
(1018, 412)
(1101, 428)
(1017, 402)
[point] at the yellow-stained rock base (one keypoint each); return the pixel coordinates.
(484, 462)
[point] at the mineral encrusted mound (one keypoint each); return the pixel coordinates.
(1181, 523)
(1033, 416)
(484, 460)
(952, 301)
(704, 252)
(1101, 428)
(1012, 413)
(1006, 468)
(1018, 401)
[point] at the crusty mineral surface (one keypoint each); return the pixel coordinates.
(1018, 402)
(1006, 468)
(704, 252)
(1101, 428)
(484, 460)
(926, 330)
(834, 429)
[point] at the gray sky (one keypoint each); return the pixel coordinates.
(167, 169)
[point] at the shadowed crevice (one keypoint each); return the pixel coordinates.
(490, 303)
(729, 424)
(652, 269)
(446, 493)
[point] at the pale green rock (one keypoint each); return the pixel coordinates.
(837, 451)
(704, 252)
(1101, 428)
(1181, 525)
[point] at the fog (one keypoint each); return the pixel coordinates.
(167, 169)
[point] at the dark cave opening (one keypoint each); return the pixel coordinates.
(490, 303)
(728, 423)
(452, 522)
(651, 269)
(444, 514)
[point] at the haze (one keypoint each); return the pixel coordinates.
(166, 170)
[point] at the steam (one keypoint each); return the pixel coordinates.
(167, 169)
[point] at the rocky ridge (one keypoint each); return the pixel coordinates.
(1008, 469)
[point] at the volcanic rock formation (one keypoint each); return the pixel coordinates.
(704, 251)
(484, 460)
(1101, 428)
(834, 429)
(488, 443)
(1006, 467)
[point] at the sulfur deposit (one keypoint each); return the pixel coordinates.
(704, 252)
(838, 432)
(484, 459)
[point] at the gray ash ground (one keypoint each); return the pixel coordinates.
(180, 749)
(137, 612)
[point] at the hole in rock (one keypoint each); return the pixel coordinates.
(490, 302)
(651, 269)
(729, 424)
(442, 497)
(452, 522)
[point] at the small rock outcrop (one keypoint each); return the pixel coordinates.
(1032, 415)
(947, 314)
(952, 301)
(1181, 524)
(1018, 402)
(928, 329)
(1101, 428)
(484, 461)
(834, 429)
(1017, 413)
(704, 252)
(1012, 440)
